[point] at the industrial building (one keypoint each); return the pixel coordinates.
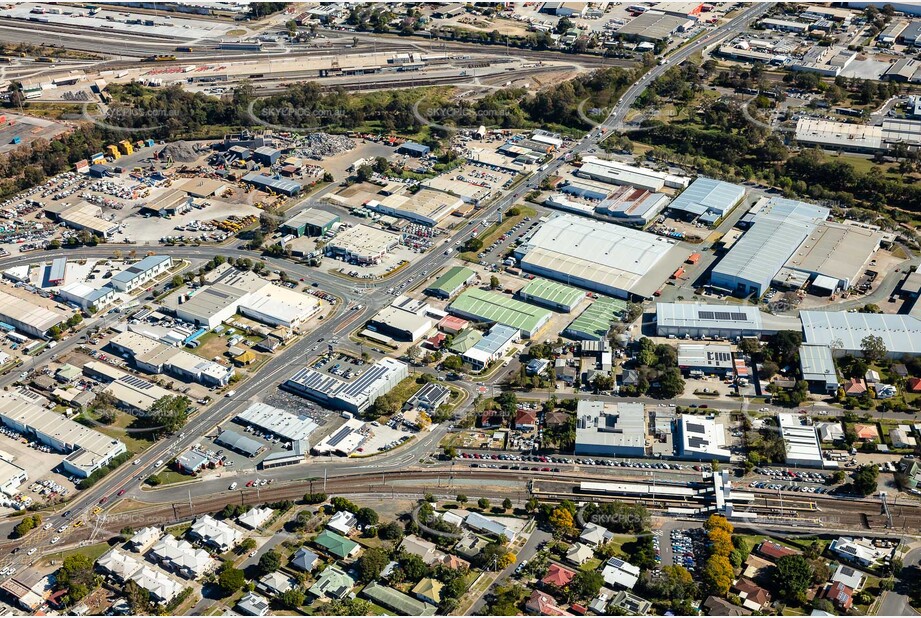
(859, 138)
(711, 320)
(354, 396)
(492, 347)
(285, 425)
(552, 295)
(239, 443)
(655, 26)
(86, 450)
(598, 256)
(843, 332)
(363, 243)
(700, 438)
(826, 61)
(595, 322)
(801, 443)
(28, 318)
(426, 206)
(610, 429)
(486, 306)
(818, 367)
(708, 200)
(86, 296)
(154, 357)
(130, 392)
(11, 478)
(401, 324)
(250, 295)
(835, 255)
(311, 222)
(272, 184)
(86, 216)
(631, 206)
(706, 359)
(141, 272)
(616, 173)
(451, 281)
(413, 149)
(776, 233)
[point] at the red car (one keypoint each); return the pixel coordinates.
(104, 499)
(249, 484)
(121, 492)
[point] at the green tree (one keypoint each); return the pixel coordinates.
(586, 585)
(269, 562)
(229, 580)
(292, 599)
(494, 283)
(248, 545)
(865, 479)
(390, 531)
(170, 413)
(483, 503)
(372, 563)
(367, 516)
(873, 348)
(77, 576)
(507, 504)
(792, 577)
(453, 363)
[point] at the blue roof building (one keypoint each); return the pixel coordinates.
(413, 149)
(272, 183)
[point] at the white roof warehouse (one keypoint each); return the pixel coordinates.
(28, 318)
(598, 256)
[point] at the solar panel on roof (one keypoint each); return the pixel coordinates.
(136, 382)
(340, 436)
(695, 428)
(723, 315)
(705, 315)
(741, 317)
(616, 562)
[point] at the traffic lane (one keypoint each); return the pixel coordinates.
(526, 553)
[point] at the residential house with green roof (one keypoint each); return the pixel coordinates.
(494, 307)
(451, 282)
(552, 295)
(337, 545)
(396, 601)
(333, 583)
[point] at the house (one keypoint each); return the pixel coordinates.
(275, 583)
(343, 523)
(333, 583)
(394, 600)
(579, 554)
(426, 550)
(428, 590)
(620, 573)
(872, 376)
(901, 437)
(217, 534)
(774, 551)
(543, 604)
(454, 563)
(913, 385)
(840, 595)
(866, 432)
(849, 576)
(337, 545)
(161, 587)
(253, 604)
(753, 596)
(555, 418)
(595, 535)
(142, 540)
(858, 551)
(629, 603)
(483, 524)
(304, 560)
(469, 546)
(855, 386)
(181, 557)
(558, 576)
(255, 517)
(118, 565)
(630, 377)
(526, 420)
(716, 606)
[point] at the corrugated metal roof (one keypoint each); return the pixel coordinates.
(708, 194)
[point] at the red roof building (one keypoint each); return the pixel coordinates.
(436, 341)
(914, 385)
(452, 325)
(543, 604)
(774, 551)
(558, 576)
(840, 595)
(855, 386)
(526, 419)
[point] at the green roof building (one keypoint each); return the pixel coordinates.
(333, 583)
(485, 306)
(451, 282)
(465, 340)
(312, 222)
(336, 544)
(595, 322)
(396, 601)
(552, 295)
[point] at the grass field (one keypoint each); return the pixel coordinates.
(90, 551)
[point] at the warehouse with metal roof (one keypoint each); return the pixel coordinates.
(818, 366)
(654, 26)
(598, 256)
(610, 429)
(838, 251)
(712, 320)
(801, 443)
(708, 199)
(279, 422)
(27, 317)
(617, 173)
(426, 206)
(311, 222)
(776, 233)
(843, 331)
(485, 306)
(238, 443)
(451, 281)
(354, 396)
(272, 184)
(551, 295)
(595, 322)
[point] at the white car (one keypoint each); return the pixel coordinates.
(55, 540)
(62, 528)
(136, 462)
(233, 486)
(46, 526)
(31, 551)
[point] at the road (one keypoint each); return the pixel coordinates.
(895, 602)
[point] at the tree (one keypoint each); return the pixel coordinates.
(506, 560)
(138, 598)
(390, 531)
(367, 516)
(586, 585)
(671, 384)
(792, 576)
(292, 599)
(372, 563)
(717, 575)
(483, 503)
(170, 413)
(561, 520)
(865, 480)
(77, 576)
(494, 283)
(177, 281)
(507, 504)
(269, 562)
(453, 363)
(462, 498)
(248, 545)
(229, 580)
(413, 567)
(873, 348)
